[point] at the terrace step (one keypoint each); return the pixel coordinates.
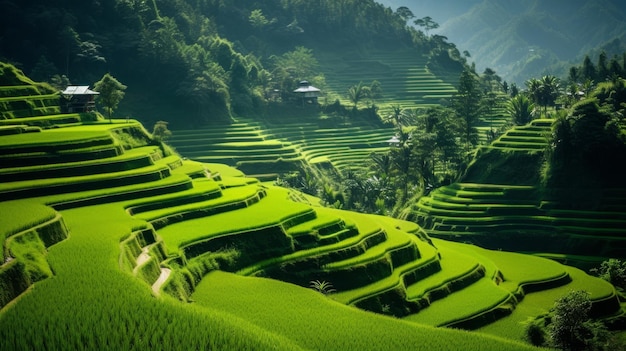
(173, 209)
(204, 190)
(44, 187)
(174, 183)
(391, 289)
(134, 159)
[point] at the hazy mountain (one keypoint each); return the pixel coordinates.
(439, 10)
(527, 38)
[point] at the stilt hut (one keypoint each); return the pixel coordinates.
(307, 93)
(78, 98)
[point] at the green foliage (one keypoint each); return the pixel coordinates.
(356, 93)
(466, 103)
(571, 328)
(322, 287)
(427, 23)
(535, 331)
(587, 143)
(209, 56)
(258, 20)
(160, 132)
(521, 109)
(111, 92)
(295, 66)
(544, 91)
(613, 271)
(30, 250)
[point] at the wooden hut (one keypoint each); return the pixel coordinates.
(78, 98)
(307, 93)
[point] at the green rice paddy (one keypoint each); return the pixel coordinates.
(126, 247)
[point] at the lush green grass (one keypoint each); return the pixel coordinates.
(232, 195)
(454, 265)
(476, 298)
(101, 275)
(111, 309)
(271, 210)
(403, 76)
(255, 147)
(288, 310)
(21, 215)
(538, 303)
(53, 140)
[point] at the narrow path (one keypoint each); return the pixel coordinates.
(156, 287)
(142, 258)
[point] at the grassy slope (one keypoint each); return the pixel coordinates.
(500, 203)
(91, 304)
(112, 309)
(288, 310)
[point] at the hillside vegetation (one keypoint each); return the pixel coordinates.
(527, 38)
(552, 186)
(196, 63)
(115, 219)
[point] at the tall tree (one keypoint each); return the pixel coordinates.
(588, 70)
(111, 92)
(544, 91)
(405, 13)
(549, 91)
(571, 328)
(603, 67)
(427, 23)
(467, 104)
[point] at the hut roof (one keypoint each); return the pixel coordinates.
(306, 89)
(79, 90)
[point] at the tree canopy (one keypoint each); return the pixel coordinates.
(111, 92)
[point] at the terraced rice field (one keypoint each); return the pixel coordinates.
(403, 76)
(265, 150)
(124, 238)
(493, 215)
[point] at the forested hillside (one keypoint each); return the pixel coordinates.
(193, 62)
(408, 184)
(521, 39)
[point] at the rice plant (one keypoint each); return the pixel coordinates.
(323, 287)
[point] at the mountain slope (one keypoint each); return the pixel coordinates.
(523, 39)
(152, 235)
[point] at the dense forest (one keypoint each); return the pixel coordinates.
(194, 62)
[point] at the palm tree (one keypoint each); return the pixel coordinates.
(356, 93)
(544, 91)
(521, 109)
(549, 91)
(534, 90)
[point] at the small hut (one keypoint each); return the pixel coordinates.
(78, 98)
(307, 93)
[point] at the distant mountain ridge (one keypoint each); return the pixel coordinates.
(528, 38)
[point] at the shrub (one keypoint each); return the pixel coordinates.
(613, 271)
(323, 287)
(571, 328)
(534, 330)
